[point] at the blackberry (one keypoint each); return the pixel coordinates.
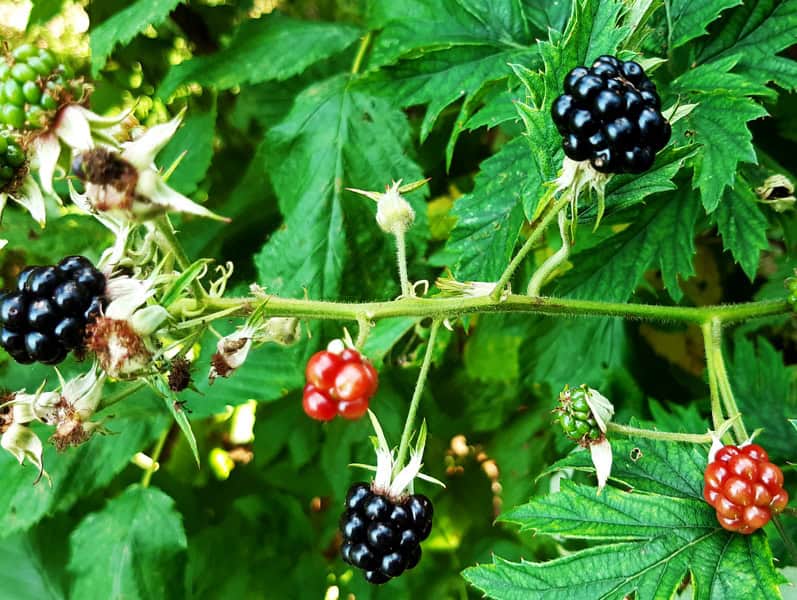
(382, 536)
(45, 317)
(610, 115)
(33, 84)
(12, 157)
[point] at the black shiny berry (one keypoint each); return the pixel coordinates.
(382, 535)
(393, 564)
(47, 316)
(610, 115)
(13, 311)
(357, 494)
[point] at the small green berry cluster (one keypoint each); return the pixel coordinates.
(791, 285)
(12, 157)
(32, 82)
(575, 416)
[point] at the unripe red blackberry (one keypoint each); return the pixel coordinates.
(46, 316)
(610, 115)
(382, 536)
(744, 488)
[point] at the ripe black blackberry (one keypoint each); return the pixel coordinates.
(381, 536)
(610, 115)
(46, 316)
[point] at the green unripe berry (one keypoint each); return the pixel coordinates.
(24, 51)
(22, 72)
(15, 156)
(12, 115)
(47, 57)
(36, 117)
(38, 65)
(13, 92)
(4, 70)
(47, 102)
(6, 173)
(32, 92)
(576, 418)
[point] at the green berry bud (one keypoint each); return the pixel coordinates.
(32, 92)
(24, 51)
(13, 92)
(15, 156)
(12, 115)
(47, 102)
(22, 72)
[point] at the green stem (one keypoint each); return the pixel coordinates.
(691, 438)
(401, 257)
(711, 370)
(409, 424)
(537, 230)
(449, 307)
(171, 244)
(552, 262)
(726, 393)
(363, 329)
(156, 452)
(358, 59)
(122, 394)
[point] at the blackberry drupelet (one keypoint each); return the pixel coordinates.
(610, 115)
(382, 536)
(46, 316)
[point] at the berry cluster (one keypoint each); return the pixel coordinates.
(31, 83)
(610, 114)
(575, 416)
(46, 316)
(12, 157)
(383, 537)
(338, 384)
(744, 488)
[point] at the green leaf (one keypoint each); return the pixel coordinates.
(649, 541)
(335, 136)
(270, 48)
(757, 31)
(80, 471)
(689, 19)
(453, 49)
(124, 26)
(662, 233)
(760, 379)
(742, 225)
(26, 574)
(490, 217)
(548, 14)
(133, 548)
(384, 335)
(195, 139)
(43, 10)
(719, 123)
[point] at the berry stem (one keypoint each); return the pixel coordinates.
(711, 370)
(691, 438)
(721, 373)
(364, 328)
(156, 452)
(544, 271)
(451, 307)
(171, 244)
(365, 41)
(122, 394)
(409, 424)
(401, 256)
(536, 232)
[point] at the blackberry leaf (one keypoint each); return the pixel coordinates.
(335, 136)
(690, 19)
(139, 537)
(490, 217)
(124, 26)
(270, 48)
(742, 226)
(757, 31)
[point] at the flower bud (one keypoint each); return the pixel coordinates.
(23, 444)
(393, 213)
(282, 330)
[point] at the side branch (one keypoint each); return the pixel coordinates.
(446, 308)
